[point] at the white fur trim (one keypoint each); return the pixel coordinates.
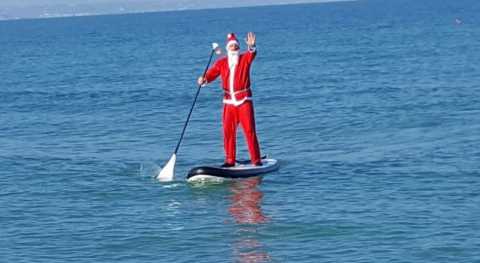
(231, 42)
(231, 83)
(236, 102)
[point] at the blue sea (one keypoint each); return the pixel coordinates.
(372, 108)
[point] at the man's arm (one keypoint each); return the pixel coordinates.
(210, 76)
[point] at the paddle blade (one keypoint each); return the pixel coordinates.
(168, 171)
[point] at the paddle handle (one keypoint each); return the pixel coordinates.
(194, 101)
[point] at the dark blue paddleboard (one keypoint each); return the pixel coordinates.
(242, 169)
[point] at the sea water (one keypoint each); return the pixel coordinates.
(372, 108)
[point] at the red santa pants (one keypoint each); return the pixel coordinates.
(232, 116)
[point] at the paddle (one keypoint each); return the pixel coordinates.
(168, 171)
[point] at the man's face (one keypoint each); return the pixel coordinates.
(233, 47)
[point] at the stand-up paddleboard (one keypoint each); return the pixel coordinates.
(242, 169)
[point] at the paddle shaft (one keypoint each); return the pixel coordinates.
(193, 104)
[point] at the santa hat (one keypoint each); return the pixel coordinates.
(232, 39)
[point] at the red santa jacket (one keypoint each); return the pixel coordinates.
(236, 87)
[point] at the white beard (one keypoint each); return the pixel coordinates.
(233, 58)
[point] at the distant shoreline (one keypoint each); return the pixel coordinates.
(113, 13)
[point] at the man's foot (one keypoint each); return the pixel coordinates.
(225, 165)
(258, 164)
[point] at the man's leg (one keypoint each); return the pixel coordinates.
(230, 122)
(247, 120)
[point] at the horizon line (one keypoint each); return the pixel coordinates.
(67, 15)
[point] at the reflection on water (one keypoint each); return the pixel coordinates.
(246, 202)
(247, 212)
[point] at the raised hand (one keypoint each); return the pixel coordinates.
(251, 39)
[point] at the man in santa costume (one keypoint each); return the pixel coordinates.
(234, 70)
